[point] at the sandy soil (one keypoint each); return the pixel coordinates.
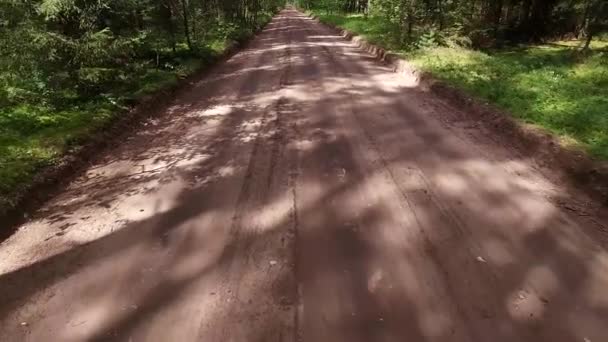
(303, 192)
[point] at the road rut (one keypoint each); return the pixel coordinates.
(301, 191)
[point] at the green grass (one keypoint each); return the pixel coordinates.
(544, 85)
(32, 137)
(550, 85)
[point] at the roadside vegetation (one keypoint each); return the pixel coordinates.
(70, 67)
(545, 61)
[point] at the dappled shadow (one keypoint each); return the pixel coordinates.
(300, 151)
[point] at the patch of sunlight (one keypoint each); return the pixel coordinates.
(272, 216)
(498, 253)
(113, 169)
(213, 239)
(189, 163)
(434, 323)
(520, 201)
(251, 126)
(218, 110)
(266, 99)
(595, 286)
(391, 82)
(543, 280)
(524, 306)
(243, 71)
(328, 44)
(94, 315)
(305, 145)
(595, 44)
(156, 197)
(226, 171)
(375, 280)
(300, 93)
(324, 37)
(452, 183)
(354, 54)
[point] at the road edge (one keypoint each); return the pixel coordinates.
(49, 181)
(580, 169)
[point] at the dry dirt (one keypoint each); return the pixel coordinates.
(303, 192)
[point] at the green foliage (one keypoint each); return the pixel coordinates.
(546, 85)
(429, 39)
(69, 67)
(475, 23)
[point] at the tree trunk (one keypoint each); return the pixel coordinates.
(497, 16)
(524, 15)
(186, 25)
(583, 23)
(167, 11)
(440, 15)
(194, 32)
(588, 40)
(410, 21)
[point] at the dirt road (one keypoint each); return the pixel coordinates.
(303, 192)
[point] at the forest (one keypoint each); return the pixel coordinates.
(68, 67)
(478, 23)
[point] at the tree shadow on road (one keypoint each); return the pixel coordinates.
(322, 182)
